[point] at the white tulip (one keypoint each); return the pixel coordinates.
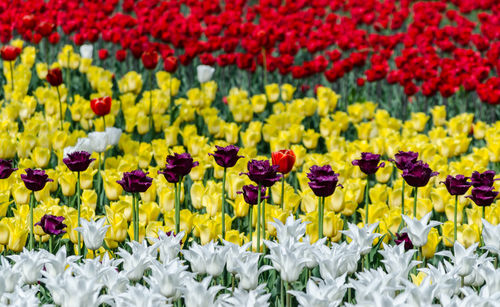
(30, 264)
(113, 135)
(463, 259)
(321, 294)
(248, 271)
(136, 262)
(418, 230)
(199, 294)
(287, 260)
(169, 245)
(86, 51)
(138, 295)
(491, 237)
(362, 237)
(243, 298)
(169, 278)
(98, 141)
(205, 73)
(8, 275)
(93, 232)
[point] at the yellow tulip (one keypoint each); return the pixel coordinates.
(332, 225)
(235, 237)
(272, 92)
(310, 139)
(112, 189)
(447, 231)
(67, 181)
(287, 91)
(240, 207)
(259, 103)
(384, 173)
(208, 231)
(438, 115)
(4, 233)
(433, 240)
(231, 131)
(142, 231)
(417, 279)
(468, 234)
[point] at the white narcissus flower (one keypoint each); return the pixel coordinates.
(362, 237)
(113, 135)
(491, 237)
(205, 73)
(93, 232)
(86, 51)
(418, 230)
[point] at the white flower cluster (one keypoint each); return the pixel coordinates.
(96, 141)
(162, 273)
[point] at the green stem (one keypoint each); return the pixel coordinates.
(135, 218)
(60, 107)
(263, 204)
(232, 283)
(288, 297)
(367, 189)
(104, 121)
(150, 72)
(258, 219)
(250, 230)
(11, 79)
(283, 192)
(50, 244)
(32, 236)
(415, 202)
(455, 220)
(177, 207)
(320, 217)
(482, 226)
(282, 293)
(224, 204)
(78, 202)
(403, 203)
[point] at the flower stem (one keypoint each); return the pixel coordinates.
(250, 230)
(455, 220)
(78, 202)
(283, 192)
(135, 219)
(264, 62)
(415, 202)
(403, 202)
(60, 107)
(263, 204)
(321, 202)
(367, 189)
(288, 297)
(282, 293)
(104, 122)
(224, 204)
(150, 85)
(482, 226)
(50, 244)
(11, 79)
(32, 236)
(258, 219)
(177, 205)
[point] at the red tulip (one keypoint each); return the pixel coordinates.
(170, 64)
(45, 28)
(101, 106)
(285, 159)
(121, 55)
(149, 59)
(29, 21)
(54, 38)
(54, 77)
(103, 54)
(9, 53)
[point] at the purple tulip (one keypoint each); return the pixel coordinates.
(250, 194)
(226, 156)
(323, 180)
(52, 225)
(404, 159)
(458, 185)
(369, 163)
(262, 172)
(78, 161)
(178, 166)
(6, 169)
(483, 196)
(483, 179)
(419, 174)
(404, 238)
(35, 180)
(135, 181)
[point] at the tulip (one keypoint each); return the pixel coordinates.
(170, 64)
(483, 179)
(204, 73)
(418, 175)
(418, 230)
(285, 159)
(86, 51)
(10, 54)
(52, 225)
(101, 107)
(369, 164)
(93, 233)
(6, 169)
(178, 166)
(54, 77)
(403, 238)
(225, 157)
(458, 185)
(135, 182)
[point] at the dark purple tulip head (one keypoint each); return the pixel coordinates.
(136, 181)
(35, 179)
(404, 238)
(322, 180)
(263, 173)
(483, 196)
(52, 225)
(403, 159)
(6, 169)
(486, 178)
(369, 163)
(226, 156)
(418, 175)
(78, 161)
(458, 185)
(250, 194)
(178, 166)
